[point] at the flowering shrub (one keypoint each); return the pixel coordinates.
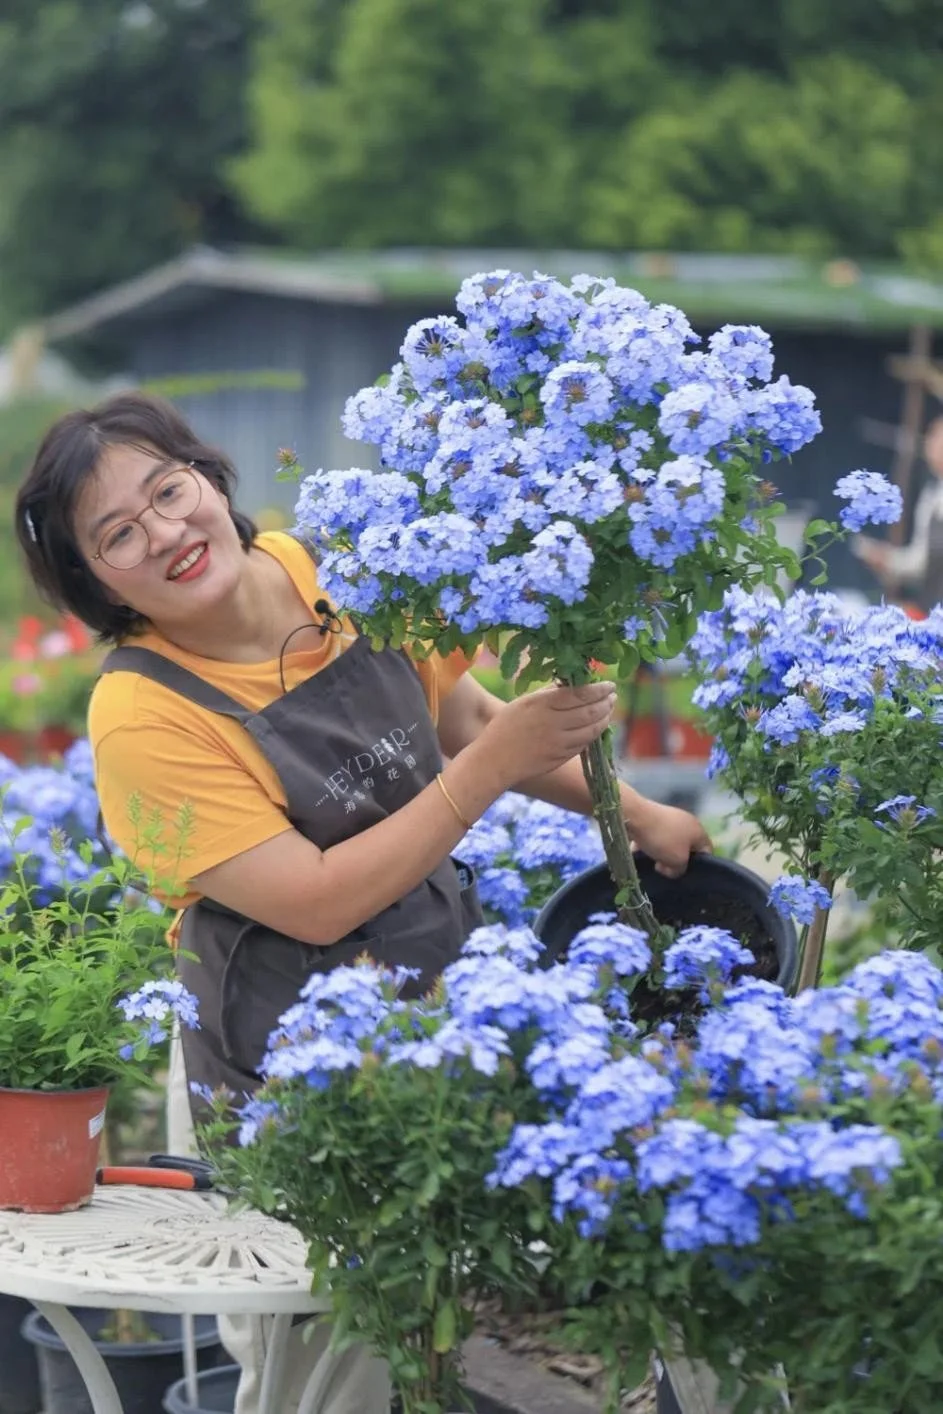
(66, 965)
(568, 478)
(827, 724)
(522, 851)
(731, 1189)
(49, 823)
(76, 934)
(47, 676)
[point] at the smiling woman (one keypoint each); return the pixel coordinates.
(325, 784)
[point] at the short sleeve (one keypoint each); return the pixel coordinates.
(439, 674)
(176, 807)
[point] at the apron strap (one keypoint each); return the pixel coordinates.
(169, 674)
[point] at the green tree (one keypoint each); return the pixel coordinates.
(384, 121)
(789, 125)
(115, 119)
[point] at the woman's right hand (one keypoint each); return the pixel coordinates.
(538, 732)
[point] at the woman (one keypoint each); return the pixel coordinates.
(324, 785)
(918, 565)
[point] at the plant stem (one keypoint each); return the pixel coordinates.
(603, 784)
(810, 968)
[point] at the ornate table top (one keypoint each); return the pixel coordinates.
(152, 1249)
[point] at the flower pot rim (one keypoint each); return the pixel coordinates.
(782, 930)
(37, 1331)
(54, 1090)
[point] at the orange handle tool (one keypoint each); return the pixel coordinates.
(153, 1177)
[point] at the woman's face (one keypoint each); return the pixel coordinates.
(189, 565)
(933, 446)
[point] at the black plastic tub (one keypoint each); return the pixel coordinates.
(141, 1370)
(19, 1368)
(712, 891)
(215, 1393)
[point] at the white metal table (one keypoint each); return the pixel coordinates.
(155, 1249)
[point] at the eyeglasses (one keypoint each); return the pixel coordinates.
(176, 496)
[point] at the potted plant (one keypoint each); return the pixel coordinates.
(75, 938)
(570, 482)
(373, 1134)
(760, 1194)
(86, 996)
(827, 721)
(738, 1192)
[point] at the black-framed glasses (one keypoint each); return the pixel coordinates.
(175, 496)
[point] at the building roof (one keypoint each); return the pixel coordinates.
(781, 291)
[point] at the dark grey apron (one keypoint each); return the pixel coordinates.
(931, 589)
(351, 746)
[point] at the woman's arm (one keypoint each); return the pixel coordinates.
(287, 883)
(669, 835)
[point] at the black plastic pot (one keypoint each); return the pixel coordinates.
(216, 1393)
(717, 892)
(666, 1401)
(19, 1369)
(141, 1370)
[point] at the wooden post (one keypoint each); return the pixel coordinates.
(905, 453)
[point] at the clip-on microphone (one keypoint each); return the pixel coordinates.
(322, 607)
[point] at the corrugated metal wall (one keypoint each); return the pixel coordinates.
(336, 349)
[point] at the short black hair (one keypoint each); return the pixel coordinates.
(68, 457)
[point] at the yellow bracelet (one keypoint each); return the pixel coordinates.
(445, 791)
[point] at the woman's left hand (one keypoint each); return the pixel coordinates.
(669, 836)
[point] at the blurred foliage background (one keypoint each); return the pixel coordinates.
(131, 128)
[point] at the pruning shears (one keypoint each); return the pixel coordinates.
(161, 1171)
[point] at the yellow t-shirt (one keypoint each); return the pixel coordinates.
(193, 771)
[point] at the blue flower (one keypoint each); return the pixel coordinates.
(611, 945)
(798, 898)
(256, 1115)
(577, 392)
(785, 722)
(872, 500)
(903, 810)
(519, 946)
(589, 1186)
(702, 954)
(783, 413)
(744, 352)
(158, 1003)
(697, 417)
(481, 1045)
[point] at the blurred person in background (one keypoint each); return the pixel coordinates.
(917, 567)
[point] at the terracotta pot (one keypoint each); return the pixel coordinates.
(49, 1148)
(14, 745)
(675, 739)
(53, 741)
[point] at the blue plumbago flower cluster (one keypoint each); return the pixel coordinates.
(810, 664)
(872, 500)
(564, 445)
(156, 1006)
(798, 898)
(764, 1103)
(811, 667)
(522, 850)
(618, 1129)
(827, 724)
(47, 814)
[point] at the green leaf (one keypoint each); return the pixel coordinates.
(445, 1328)
(433, 1253)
